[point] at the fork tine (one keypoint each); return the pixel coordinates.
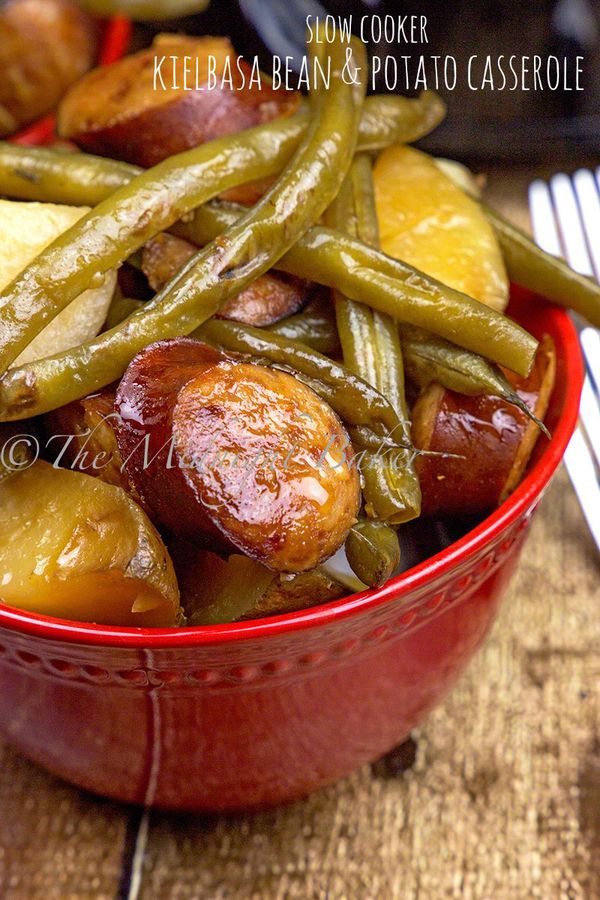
(575, 226)
(584, 479)
(588, 199)
(590, 417)
(590, 339)
(569, 220)
(543, 221)
(575, 208)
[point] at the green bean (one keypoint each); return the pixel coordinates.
(81, 179)
(145, 10)
(120, 309)
(390, 120)
(49, 176)
(371, 348)
(373, 552)
(388, 285)
(224, 268)
(356, 401)
(429, 358)
(314, 326)
(354, 320)
(373, 549)
(539, 271)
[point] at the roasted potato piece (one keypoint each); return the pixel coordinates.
(270, 298)
(82, 436)
(74, 547)
(429, 222)
(132, 110)
(25, 230)
(45, 45)
(492, 441)
(233, 455)
(215, 590)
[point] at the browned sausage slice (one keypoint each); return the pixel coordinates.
(235, 455)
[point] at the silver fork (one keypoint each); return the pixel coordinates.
(565, 215)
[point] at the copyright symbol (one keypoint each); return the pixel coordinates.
(19, 452)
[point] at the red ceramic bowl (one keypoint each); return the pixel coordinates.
(257, 713)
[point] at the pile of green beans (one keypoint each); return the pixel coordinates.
(388, 285)
(404, 293)
(127, 219)
(330, 258)
(145, 204)
(386, 317)
(82, 179)
(249, 247)
(426, 357)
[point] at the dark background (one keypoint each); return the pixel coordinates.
(515, 127)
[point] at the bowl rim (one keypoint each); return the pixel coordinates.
(517, 505)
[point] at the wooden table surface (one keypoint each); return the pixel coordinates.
(500, 798)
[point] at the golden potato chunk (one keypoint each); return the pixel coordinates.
(428, 222)
(25, 230)
(75, 547)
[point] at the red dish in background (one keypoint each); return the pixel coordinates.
(261, 712)
(115, 41)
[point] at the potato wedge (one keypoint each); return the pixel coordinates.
(74, 547)
(25, 230)
(427, 221)
(138, 110)
(492, 441)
